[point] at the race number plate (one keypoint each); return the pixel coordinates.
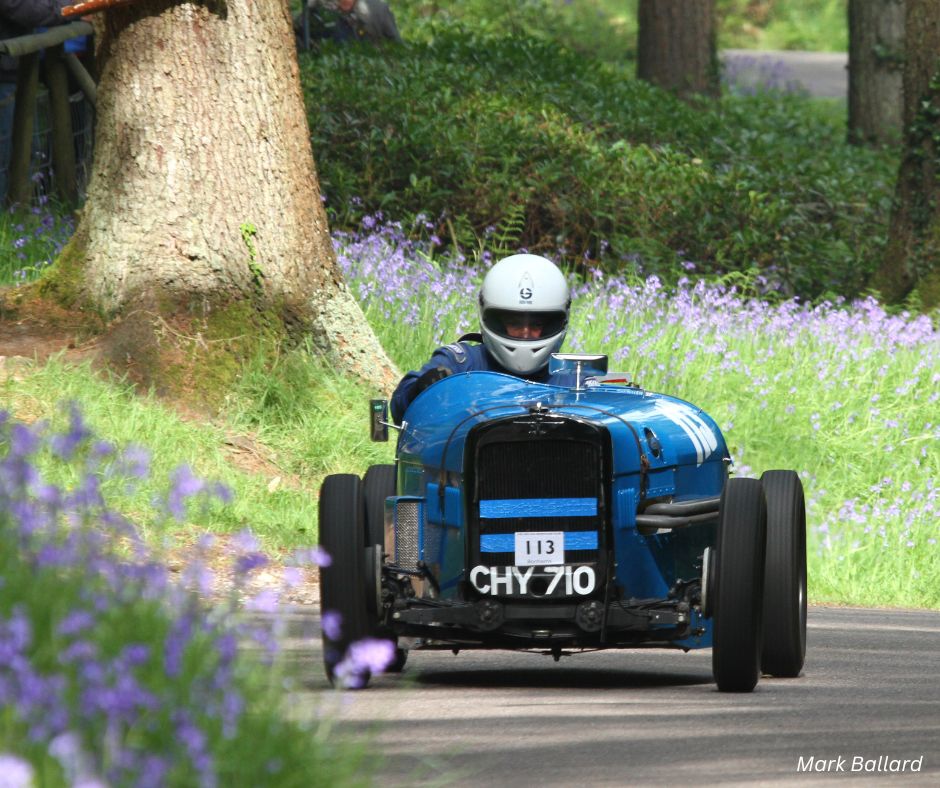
(540, 548)
(531, 581)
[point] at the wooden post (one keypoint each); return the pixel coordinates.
(63, 143)
(19, 188)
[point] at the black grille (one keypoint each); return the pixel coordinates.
(537, 469)
(565, 460)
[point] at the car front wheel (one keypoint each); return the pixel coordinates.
(737, 587)
(343, 584)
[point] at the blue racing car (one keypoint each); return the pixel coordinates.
(552, 518)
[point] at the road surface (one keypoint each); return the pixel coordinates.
(870, 691)
(823, 74)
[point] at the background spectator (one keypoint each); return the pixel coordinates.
(18, 17)
(349, 20)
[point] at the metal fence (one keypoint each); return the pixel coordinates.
(46, 127)
(40, 168)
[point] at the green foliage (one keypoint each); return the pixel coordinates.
(469, 128)
(602, 29)
(817, 25)
(606, 29)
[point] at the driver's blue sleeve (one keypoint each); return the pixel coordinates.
(456, 358)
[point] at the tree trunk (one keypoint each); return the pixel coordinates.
(876, 57)
(676, 46)
(912, 257)
(204, 198)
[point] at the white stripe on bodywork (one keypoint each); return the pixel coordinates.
(702, 436)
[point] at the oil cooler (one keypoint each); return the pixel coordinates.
(405, 526)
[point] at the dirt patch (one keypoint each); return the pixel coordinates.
(35, 329)
(297, 587)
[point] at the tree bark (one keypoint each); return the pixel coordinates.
(876, 57)
(676, 46)
(204, 194)
(912, 256)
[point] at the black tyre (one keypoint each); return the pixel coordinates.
(343, 582)
(784, 638)
(378, 484)
(737, 587)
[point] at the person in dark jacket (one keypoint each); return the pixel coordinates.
(17, 18)
(350, 20)
(20, 16)
(524, 303)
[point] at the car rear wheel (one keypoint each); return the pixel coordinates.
(378, 484)
(784, 638)
(343, 583)
(737, 587)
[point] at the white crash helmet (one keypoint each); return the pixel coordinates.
(524, 304)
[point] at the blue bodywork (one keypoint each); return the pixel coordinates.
(661, 448)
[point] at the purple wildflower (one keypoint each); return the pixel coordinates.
(364, 658)
(245, 564)
(24, 442)
(135, 462)
(265, 601)
(176, 642)
(316, 556)
(65, 444)
(291, 576)
(15, 772)
(75, 622)
(184, 484)
(372, 654)
(332, 621)
(245, 542)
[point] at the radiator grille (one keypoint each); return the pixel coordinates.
(538, 469)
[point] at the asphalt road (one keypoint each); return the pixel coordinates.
(870, 689)
(823, 74)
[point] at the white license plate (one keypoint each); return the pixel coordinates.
(540, 548)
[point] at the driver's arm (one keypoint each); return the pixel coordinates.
(442, 363)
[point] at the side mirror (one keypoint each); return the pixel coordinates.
(378, 414)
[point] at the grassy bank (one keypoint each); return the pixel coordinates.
(845, 394)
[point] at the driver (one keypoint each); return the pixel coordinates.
(524, 304)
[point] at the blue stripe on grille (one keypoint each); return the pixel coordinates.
(506, 543)
(500, 509)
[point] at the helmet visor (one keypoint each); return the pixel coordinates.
(511, 324)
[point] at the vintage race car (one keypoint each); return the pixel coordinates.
(554, 518)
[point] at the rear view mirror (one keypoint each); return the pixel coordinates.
(378, 413)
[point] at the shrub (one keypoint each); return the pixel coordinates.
(562, 152)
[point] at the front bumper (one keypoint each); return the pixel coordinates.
(494, 623)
